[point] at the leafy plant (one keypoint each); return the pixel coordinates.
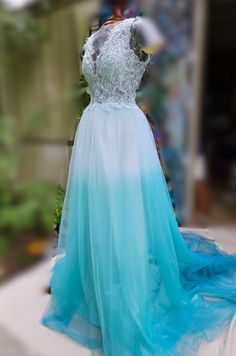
(26, 207)
(80, 95)
(59, 206)
(18, 30)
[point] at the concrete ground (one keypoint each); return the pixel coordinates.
(22, 302)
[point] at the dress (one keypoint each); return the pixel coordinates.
(126, 281)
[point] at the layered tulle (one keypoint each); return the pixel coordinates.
(126, 281)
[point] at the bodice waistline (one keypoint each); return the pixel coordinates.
(112, 104)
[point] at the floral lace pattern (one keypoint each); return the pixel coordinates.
(113, 70)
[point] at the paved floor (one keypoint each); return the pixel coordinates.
(22, 302)
(11, 346)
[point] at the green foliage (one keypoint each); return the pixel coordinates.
(26, 206)
(22, 210)
(19, 34)
(59, 205)
(8, 155)
(5, 245)
(80, 95)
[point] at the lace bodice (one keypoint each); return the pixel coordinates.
(111, 67)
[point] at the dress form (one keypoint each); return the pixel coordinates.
(145, 32)
(117, 15)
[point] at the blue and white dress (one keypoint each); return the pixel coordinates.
(126, 281)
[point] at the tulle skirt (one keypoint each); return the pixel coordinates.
(126, 281)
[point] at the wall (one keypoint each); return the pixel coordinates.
(37, 91)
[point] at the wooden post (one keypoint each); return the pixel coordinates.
(200, 18)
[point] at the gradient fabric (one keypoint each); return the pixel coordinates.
(126, 281)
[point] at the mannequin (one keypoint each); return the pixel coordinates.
(145, 36)
(118, 7)
(146, 39)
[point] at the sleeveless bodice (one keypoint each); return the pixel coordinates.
(113, 70)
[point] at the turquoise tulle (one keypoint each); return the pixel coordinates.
(126, 281)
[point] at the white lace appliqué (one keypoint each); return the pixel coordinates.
(113, 70)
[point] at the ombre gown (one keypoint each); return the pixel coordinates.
(126, 281)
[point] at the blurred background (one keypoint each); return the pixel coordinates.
(191, 91)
